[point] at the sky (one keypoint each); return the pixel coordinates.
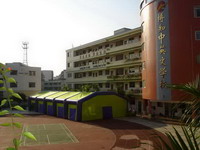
(53, 26)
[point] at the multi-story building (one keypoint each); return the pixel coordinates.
(113, 62)
(47, 75)
(171, 52)
(61, 76)
(54, 83)
(165, 50)
(28, 78)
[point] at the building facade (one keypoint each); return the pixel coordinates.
(28, 78)
(113, 63)
(171, 51)
(47, 75)
(164, 50)
(54, 83)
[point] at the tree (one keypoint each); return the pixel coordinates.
(66, 88)
(90, 87)
(191, 116)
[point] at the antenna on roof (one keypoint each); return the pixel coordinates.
(25, 55)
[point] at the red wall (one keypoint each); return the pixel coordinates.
(183, 46)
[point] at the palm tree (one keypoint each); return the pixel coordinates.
(191, 116)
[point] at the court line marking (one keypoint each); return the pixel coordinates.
(48, 139)
(67, 134)
(22, 135)
(72, 136)
(63, 127)
(25, 137)
(44, 127)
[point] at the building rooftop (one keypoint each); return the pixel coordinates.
(117, 33)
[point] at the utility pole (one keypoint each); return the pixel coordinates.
(25, 55)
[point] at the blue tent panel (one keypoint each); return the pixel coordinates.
(60, 112)
(50, 110)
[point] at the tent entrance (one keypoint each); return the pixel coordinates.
(107, 112)
(72, 115)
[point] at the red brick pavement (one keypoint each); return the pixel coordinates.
(93, 135)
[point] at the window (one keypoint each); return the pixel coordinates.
(32, 73)
(31, 84)
(132, 84)
(83, 74)
(120, 71)
(78, 75)
(13, 85)
(197, 12)
(68, 64)
(100, 73)
(107, 72)
(119, 57)
(197, 35)
(107, 85)
(118, 43)
(13, 72)
(69, 75)
(89, 74)
(100, 85)
(68, 54)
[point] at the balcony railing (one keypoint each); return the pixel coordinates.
(125, 46)
(125, 77)
(103, 51)
(93, 66)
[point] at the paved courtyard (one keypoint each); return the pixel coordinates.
(94, 135)
(161, 127)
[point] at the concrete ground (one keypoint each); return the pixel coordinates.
(161, 127)
(93, 135)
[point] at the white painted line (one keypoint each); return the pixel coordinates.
(25, 137)
(44, 127)
(48, 139)
(66, 132)
(75, 140)
(21, 134)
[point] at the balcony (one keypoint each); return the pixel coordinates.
(136, 60)
(104, 51)
(90, 55)
(135, 76)
(134, 91)
(132, 44)
(91, 66)
(89, 79)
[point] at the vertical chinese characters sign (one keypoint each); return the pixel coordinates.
(162, 50)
